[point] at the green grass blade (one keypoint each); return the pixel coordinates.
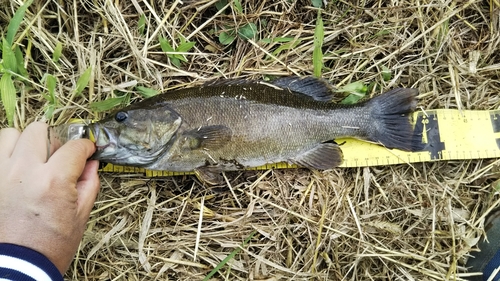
(8, 96)
(15, 22)
(319, 35)
(141, 24)
(57, 52)
(287, 46)
(83, 81)
(237, 6)
(51, 88)
(146, 92)
(8, 56)
(20, 62)
(110, 103)
(229, 257)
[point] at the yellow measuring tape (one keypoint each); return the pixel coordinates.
(446, 134)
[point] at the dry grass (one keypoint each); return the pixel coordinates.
(381, 223)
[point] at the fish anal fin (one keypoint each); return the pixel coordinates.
(207, 137)
(209, 175)
(322, 157)
(316, 88)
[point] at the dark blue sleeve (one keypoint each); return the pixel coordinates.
(23, 264)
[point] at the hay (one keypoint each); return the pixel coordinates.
(405, 222)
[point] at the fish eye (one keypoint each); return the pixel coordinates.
(121, 116)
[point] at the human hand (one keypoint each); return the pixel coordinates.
(45, 204)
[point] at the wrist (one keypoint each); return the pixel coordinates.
(22, 263)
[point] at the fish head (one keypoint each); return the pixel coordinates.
(135, 136)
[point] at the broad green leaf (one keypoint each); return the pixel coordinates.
(352, 98)
(83, 81)
(248, 31)
(237, 6)
(141, 24)
(358, 87)
(8, 56)
(57, 52)
(49, 111)
(15, 22)
(167, 48)
(185, 47)
(179, 57)
(357, 91)
(370, 87)
(175, 61)
(20, 62)
(226, 38)
(386, 73)
(146, 92)
(8, 96)
(220, 4)
(110, 103)
(317, 3)
(318, 44)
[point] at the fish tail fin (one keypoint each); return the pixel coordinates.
(391, 114)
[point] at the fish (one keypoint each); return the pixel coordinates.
(237, 124)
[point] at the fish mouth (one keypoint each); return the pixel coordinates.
(105, 142)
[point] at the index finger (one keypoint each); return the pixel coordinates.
(70, 159)
(33, 145)
(8, 140)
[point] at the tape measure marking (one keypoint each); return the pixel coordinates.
(427, 126)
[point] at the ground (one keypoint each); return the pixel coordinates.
(402, 222)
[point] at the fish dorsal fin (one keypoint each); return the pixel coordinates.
(207, 137)
(229, 82)
(316, 88)
(322, 157)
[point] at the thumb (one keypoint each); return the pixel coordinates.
(87, 187)
(71, 158)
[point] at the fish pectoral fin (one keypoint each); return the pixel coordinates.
(316, 88)
(209, 137)
(209, 175)
(322, 157)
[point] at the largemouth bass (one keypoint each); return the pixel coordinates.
(238, 124)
